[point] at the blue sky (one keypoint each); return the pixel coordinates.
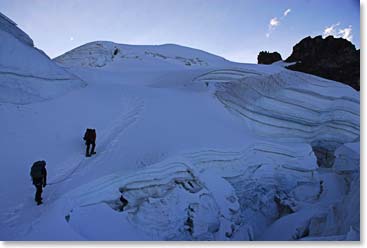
(234, 29)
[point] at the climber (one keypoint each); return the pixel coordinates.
(90, 139)
(39, 174)
(123, 202)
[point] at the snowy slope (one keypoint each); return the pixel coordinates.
(26, 73)
(7, 25)
(105, 54)
(203, 149)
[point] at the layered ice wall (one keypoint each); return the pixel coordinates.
(290, 106)
(285, 107)
(204, 195)
(267, 191)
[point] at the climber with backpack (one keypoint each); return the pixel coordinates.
(90, 139)
(123, 202)
(39, 175)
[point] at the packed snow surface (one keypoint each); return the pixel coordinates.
(202, 148)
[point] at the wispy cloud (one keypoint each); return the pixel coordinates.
(275, 21)
(346, 33)
(333, 30)
(286, 12)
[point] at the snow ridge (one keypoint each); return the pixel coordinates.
(10, 27)
(100, 54)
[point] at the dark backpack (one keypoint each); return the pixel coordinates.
(89, 134)
(124, 202)
(37, 170)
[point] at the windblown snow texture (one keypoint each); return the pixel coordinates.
(202, 148)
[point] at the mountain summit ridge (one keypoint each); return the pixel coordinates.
(103, 53)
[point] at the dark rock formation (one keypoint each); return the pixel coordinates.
(267, 58)
(332, 58)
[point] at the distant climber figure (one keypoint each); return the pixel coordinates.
(90, 139)
(39, 175)
(123, 202)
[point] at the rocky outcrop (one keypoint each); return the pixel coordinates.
(332, 58)
(268, 58)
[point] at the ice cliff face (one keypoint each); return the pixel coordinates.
(265, 192)
(209, 195)
(26, 73)
(289, 106)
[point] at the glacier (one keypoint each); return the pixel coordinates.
(201, 147)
